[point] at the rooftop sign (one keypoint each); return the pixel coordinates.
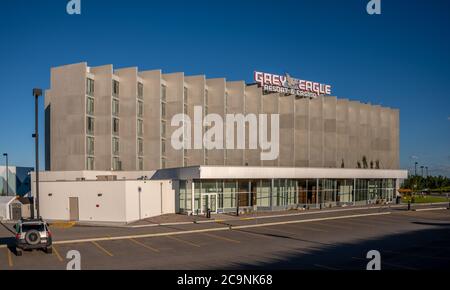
(288, 85)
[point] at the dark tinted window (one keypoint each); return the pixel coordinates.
(38, 227)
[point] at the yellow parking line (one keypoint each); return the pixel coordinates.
(247, 219)
(144, 245)
(55, 250)
(183, 241)
(102, 249)
(10, 260)
(222, 238)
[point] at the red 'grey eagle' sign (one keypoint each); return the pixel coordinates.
(288, 85)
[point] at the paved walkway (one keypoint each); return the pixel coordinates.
(174, 219)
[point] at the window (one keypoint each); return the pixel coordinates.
(226, 102)
(115, 107)
(90, 146)
(140, 128)
(140, 109)
(115, 126)
(163, 147)
(185, 101)
(116, 164)
(115, 88)
(185, 158)
(140, 90)
(163, 129)
(140, 163)
(163, 93)
(90, 125)
(163, 163)
(90, 163)
(140, 146)
(90, 106)
(115, 146)
(163, 110)
(90, 87)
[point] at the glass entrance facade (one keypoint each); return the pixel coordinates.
(281, 194)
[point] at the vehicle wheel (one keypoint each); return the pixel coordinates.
(18, 252)
(33, 237)
(49, 250)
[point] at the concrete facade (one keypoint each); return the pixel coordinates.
(324, 132)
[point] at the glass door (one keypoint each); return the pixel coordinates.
(209, 200)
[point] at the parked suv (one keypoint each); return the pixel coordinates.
(33, 234)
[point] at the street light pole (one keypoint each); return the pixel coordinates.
(7, 174)
(36, 93)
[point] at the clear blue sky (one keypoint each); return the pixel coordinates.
(398, 59)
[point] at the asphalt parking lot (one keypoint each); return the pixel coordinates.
(406, 240)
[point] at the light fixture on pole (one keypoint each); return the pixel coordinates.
(36, 93)
(7, 174)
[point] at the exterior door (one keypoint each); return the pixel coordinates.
(209, 201)
(74, 209)
(16, 211)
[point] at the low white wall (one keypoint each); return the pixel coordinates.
(4, 212)
(109, 207)
(120, 201)
(154, 198)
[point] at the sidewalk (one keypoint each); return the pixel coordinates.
(179, 219)
(182, 219)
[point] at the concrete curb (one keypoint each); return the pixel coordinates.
(212, 229)
(279, 216)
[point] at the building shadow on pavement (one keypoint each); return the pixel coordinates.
(423, 249)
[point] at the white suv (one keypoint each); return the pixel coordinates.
(33, 234)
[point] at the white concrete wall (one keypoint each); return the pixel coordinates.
(110, 205)
(120, 201)
(156, 198)
(88, 175)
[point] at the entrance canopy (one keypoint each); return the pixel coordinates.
(245, 172)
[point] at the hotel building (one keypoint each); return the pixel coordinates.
(332, 151)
